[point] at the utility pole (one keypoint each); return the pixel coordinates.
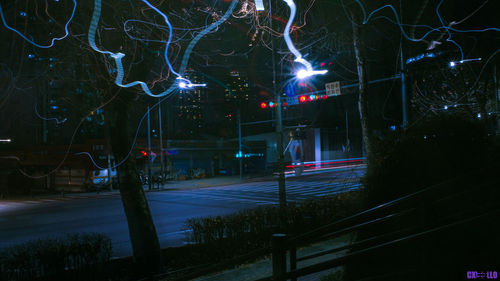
(403, 87)
(162, 167)
(108, 152)
(45, 98)
(149, 153)
(240, 153)
(497, 99)
(279, 124)
(346, 128)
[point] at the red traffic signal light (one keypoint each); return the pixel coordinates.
(302, 99)
(263, 105)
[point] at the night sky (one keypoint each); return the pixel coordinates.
(52, 74)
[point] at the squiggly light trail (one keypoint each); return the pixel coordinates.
(33, 42)
(442, 27)
(308, 71)
(118, 56)
(49, 119)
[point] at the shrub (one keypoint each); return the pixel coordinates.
(439, 148)
(253, 228)
(444, 147)
(78, 256)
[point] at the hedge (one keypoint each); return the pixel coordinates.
(252, 228)
(75, 257)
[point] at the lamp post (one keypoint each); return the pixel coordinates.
(149, 153)
(161, 146)
(240, 153)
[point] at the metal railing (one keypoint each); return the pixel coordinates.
(418, 204)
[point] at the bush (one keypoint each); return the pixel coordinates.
(76, 257)
(444, 147)
(439, 148)
(252, 228)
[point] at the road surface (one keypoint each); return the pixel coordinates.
(24, 220)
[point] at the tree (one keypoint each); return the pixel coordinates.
(359, 50)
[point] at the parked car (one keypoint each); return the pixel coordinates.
(100, 179)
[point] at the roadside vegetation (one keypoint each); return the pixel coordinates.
(445, 147)
(213, 239)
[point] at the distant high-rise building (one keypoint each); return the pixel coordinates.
(190, 106)
(238, 91)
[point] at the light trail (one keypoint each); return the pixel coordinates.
(328, 163)
(49, 119)
(119, 56)
(308, 71)
(443, 27)
(33, 42)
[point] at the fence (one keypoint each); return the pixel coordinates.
(428, 213)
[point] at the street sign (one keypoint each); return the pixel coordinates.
(333, 88)
(290, 89)
(292, 100)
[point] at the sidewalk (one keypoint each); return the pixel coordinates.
(263, 267)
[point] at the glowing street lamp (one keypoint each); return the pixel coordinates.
(454, 63)
(304, 73)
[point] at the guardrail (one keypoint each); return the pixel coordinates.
(417, 206)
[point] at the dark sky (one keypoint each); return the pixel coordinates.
(322, 33)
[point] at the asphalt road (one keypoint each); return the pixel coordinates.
(24, 220)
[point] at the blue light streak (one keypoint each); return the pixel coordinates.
(31, 41)
(444, 27)
(448, 31)
(164, 95)
(308, 71)
(170, 34)
(49, 119)
(119, 56)
(133, 141)
(405, 35)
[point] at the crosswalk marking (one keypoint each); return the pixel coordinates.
(265, 193)
(260, 193)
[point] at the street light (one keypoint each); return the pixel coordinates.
(454, 63)
(185, 83)
(304, 73)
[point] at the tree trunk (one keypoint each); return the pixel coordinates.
(359, 51)
(145, 244)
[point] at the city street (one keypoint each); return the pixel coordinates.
(23, 220)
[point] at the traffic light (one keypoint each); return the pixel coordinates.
(270, 104)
